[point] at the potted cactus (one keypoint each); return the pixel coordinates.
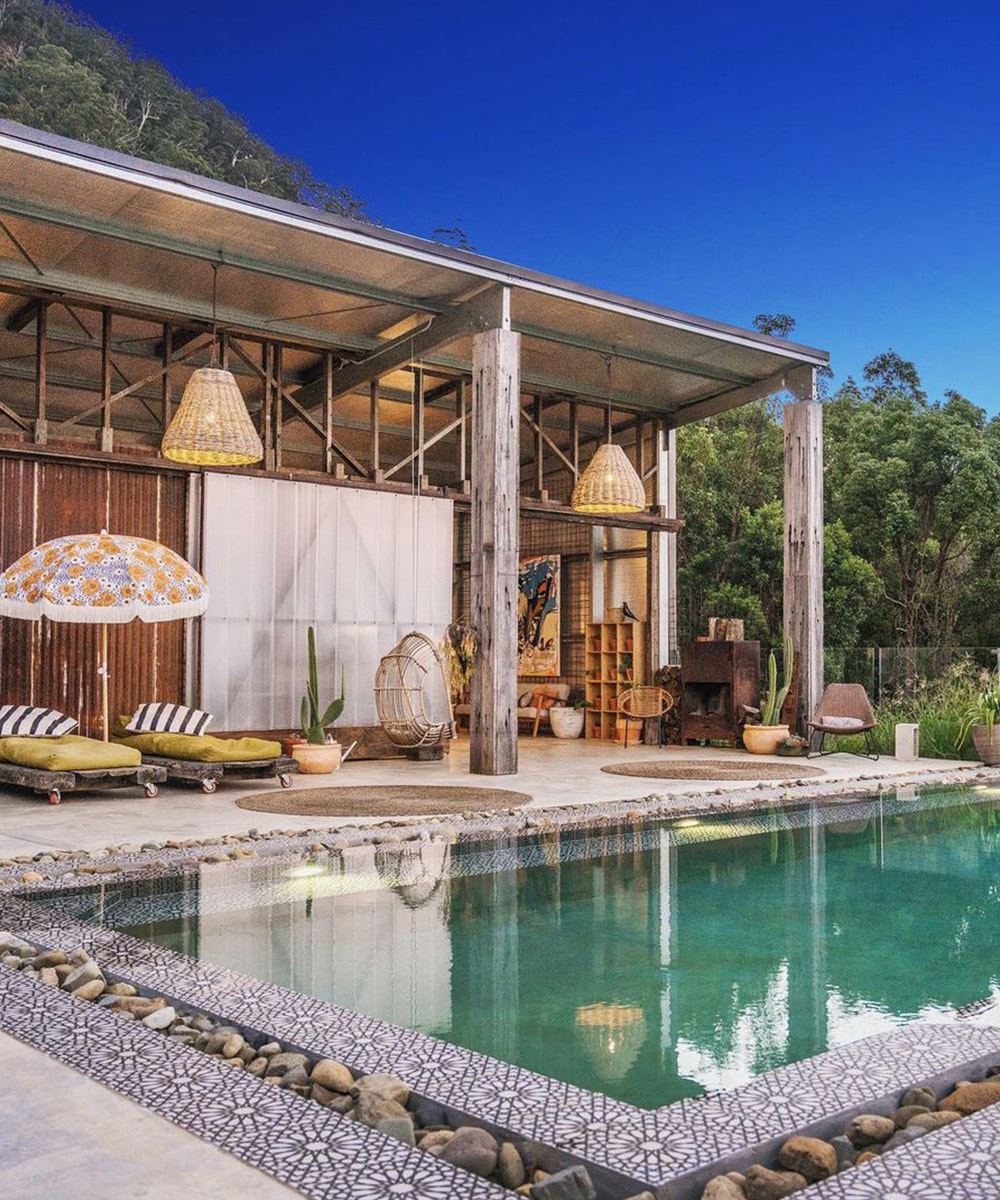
(319, 754)
(768, 735)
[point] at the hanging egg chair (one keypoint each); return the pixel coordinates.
(411, 694)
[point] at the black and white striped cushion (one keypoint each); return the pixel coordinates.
(160, 717)
(21, 720)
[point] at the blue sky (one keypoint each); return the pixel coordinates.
(837, 162)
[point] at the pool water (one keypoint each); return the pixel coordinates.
(649, 962)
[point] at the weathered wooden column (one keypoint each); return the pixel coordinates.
(663, 647)
(496, 418)
(803, 593)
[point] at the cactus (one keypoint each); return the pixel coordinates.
(314, 725)
(774, 697)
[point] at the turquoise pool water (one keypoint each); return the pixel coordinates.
(647, 962)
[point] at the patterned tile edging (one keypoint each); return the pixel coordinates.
(320, 1153)
(652, 1146)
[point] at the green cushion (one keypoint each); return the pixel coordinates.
(71, 752)
(204, 748)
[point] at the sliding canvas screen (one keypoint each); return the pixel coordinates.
(363, 567)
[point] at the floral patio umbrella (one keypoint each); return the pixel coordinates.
(102, 579)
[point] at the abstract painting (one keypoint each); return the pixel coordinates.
(538, 615)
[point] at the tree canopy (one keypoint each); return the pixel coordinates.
(911, 485)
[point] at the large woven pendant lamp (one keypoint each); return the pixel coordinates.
(212, 426)
(610, 484)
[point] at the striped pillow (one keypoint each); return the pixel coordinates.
(21, 720)
(160, 717)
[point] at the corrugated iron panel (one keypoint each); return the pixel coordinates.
(17, 536)
(56, 664)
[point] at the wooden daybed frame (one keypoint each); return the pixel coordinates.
(54, 783)
(208, 774)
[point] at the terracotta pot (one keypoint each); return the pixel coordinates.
(566, 722)
(317, 760)
(764, 739)
(288, 744)
(987, 748)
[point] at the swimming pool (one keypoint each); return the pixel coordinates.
(648, 962)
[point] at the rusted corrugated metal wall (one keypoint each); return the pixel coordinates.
(56, 664)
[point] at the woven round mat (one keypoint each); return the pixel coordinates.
(389, 801)
(712, 768)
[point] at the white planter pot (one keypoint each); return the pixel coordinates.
(566, 722)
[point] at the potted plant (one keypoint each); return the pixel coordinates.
(319, 754)
(768, 735)
(982, 719)
(566, 721)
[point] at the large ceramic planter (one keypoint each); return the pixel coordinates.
(764, 739)
(566, 722)
(317, 760)
(988, 748)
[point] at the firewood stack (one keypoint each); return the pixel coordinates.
(669, 678)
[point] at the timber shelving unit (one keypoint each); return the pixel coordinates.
(615, 660)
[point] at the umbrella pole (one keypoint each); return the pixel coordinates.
(103, 672)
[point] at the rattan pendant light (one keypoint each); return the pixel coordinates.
(610, 484)
(212, 426)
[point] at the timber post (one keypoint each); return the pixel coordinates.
(496, 416)
(803, 557)
(662, 554)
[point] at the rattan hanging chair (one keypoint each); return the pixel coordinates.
(410, 679)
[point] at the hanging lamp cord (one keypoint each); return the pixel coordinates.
(215, 305)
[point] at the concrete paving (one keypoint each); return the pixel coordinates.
(62, 1134)
(553, 771)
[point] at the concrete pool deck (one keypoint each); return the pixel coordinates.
(554, 771)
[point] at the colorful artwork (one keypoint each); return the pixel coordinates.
(538, 615)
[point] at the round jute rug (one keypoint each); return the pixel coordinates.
(391, 801)
(712, 768)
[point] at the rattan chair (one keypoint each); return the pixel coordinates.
(401, 699)
(844, 711)
(642, 703)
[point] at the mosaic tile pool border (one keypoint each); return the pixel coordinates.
(649, 1146)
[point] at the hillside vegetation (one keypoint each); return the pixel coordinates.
(62, 73)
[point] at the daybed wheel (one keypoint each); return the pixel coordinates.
(55, 796)
(208, 786)
(151, 790)
(285, 781)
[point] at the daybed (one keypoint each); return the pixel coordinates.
(68, 763)
(205, 759)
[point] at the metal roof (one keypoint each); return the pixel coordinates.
(93, 224)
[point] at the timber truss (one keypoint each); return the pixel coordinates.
(84, 377)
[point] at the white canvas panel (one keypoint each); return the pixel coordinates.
(363, 567)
